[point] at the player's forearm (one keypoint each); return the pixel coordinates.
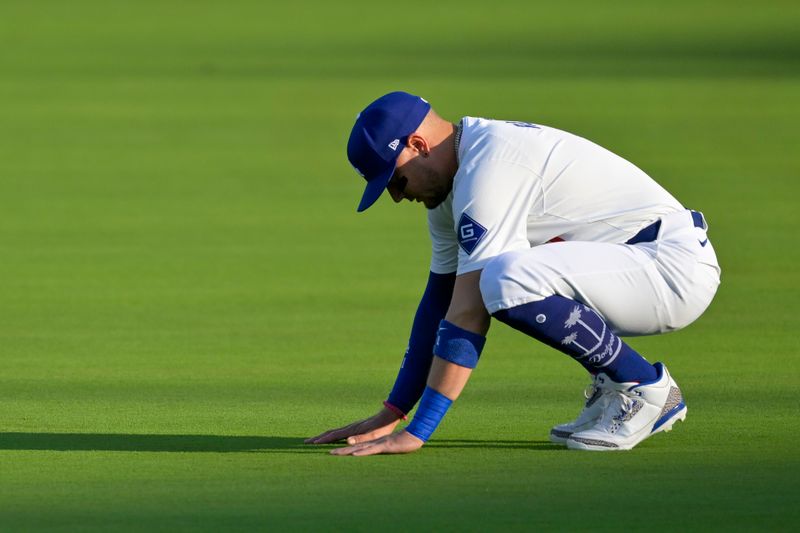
(466, 308)
(448, 378)
(445, 383)
(458, 348)
(411, 378)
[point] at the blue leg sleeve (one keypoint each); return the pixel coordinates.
(413, 375)
(578, 331)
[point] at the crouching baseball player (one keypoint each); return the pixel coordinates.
(546, 232)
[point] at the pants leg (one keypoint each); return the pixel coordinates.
(638, 289)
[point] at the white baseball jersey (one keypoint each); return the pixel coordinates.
(519, 185)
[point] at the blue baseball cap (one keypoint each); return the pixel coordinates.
(378, 137)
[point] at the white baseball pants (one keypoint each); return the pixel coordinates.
(638, 289)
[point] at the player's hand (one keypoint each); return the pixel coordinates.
(365, 430)
(402, 442)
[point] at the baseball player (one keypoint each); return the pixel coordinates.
(548, 233)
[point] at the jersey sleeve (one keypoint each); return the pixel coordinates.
(444, 245)
(490, 211)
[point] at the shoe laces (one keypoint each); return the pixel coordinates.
(622, 405)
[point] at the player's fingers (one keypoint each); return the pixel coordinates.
(374, 449)
(342, 451)
(395, 443)
(332, 435)
(372, 435)
(312, 440)
(351, 450)
(348, 450)
(318, 439)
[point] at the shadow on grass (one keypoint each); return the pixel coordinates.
(115, 442)
(538, 445)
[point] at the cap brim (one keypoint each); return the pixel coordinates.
(375, 188)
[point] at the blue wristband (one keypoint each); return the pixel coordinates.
(458, 345)
(432, 408)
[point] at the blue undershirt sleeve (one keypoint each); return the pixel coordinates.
(413, 375)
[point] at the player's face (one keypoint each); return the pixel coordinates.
(414, 180)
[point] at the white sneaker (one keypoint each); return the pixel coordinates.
(634, 411)
(596, 400)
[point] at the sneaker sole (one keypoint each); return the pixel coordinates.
(559, 437)
(665, 423)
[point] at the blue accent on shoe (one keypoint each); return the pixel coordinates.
(659, 369)
(672, 412)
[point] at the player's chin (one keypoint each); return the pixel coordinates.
(432, 203)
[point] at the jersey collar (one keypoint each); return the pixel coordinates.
(459, 129)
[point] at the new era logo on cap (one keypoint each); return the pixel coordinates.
(394, 144)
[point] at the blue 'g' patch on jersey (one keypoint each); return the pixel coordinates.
(470, 233)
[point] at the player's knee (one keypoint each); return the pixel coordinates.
(503, 281)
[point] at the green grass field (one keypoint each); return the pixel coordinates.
(186, 290)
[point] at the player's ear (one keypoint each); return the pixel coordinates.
(418, 144)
